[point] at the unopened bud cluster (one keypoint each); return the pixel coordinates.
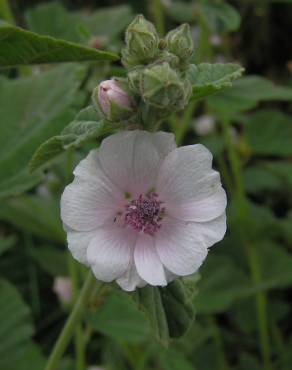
(155, 80)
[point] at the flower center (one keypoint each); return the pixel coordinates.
(145, 213)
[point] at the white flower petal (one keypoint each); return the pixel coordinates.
(110, 251)
(78, 243)
(132, 159)
(91, 199)
(179, 247)
(211, 231)
(147, 261)
(131, 280)
(201, 210)
(186, 180)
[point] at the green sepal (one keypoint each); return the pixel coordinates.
(141, 42)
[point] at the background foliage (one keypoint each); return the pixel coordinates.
(242, 294)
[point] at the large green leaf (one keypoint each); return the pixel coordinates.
(18, 47)
(208, 79)
(222, 283)
(32, 110)
(219, 16)
(31, 359)
(15, 325)
(67, 25)
(269, 132)
(85, 127)
(246, 93)
(268, 175)
(52, 260)
(40, 216)
(275, 265)
(119, 318)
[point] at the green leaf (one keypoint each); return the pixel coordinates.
(181, 11)
(220, 17)
(32, 110)
(19, 47)
(174, 360)
(6, 243)
(208, 79)
(31, 359)
(275, 130)
(34, 214)
(222, 283)
(170, 309)
(52, 260)
(246, 93)
(84, 128)
(275, 265)
(67, 24)
(15, 326)
(268, 176)
(120, 319)
(178, 307)
(150, 302)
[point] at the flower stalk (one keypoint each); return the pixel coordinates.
(70, 326)
(252, 258)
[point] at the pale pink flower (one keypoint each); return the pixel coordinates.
(63, 288)
(110, 91)
(142, 211)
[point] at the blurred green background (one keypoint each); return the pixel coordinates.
(243, 291)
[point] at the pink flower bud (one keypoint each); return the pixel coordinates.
(109, 92)
(63, 289)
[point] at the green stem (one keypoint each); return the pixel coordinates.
(219, 343)
(5, 11)
(181, 127)
(157, 12)
(252, 258)
(74, 318)
(78, 337)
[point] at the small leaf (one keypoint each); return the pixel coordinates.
(178, 307)
(15, 326)
(84, 128)
(19, 47)
(149, 300)
(208, 79)
(170, 309)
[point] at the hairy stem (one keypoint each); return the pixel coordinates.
(73, 319)
(156, 10)
(252, 258)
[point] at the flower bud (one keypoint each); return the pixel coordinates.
(112, 100)
(63, 289)
(180, 42)
(205, 125)
(134, 78)
(142, 42)
(162, 87)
